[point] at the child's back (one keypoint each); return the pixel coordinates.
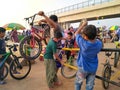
(87, 58)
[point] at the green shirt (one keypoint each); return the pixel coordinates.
(50, 49)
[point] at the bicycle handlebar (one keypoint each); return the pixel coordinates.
(12, 46)
(32, 18)
(103, 49)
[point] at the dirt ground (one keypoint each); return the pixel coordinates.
(36, 79)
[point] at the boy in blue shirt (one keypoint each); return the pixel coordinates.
(87, 58)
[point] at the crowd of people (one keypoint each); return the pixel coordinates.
(86, 40)
(84, 37)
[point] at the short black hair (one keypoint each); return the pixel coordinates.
(90, 31)
(54, 18)
(58, 35)
(70, 33)
(2, 29)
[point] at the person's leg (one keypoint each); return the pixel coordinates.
(68, 54)
(56, 81)
(1, 75)
(90, 81)
(80, 76)
(50, 72)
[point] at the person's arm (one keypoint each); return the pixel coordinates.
(48, 20)
(113, 37)
(41, 21)
(83, 24)
(58, 59)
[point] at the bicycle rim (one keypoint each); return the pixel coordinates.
(30, 48)
(69, 72)
(20, 68)
(106, 74)
(116, 59)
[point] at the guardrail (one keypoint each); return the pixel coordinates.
(78, 6)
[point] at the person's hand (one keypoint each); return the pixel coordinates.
(62, 62)
(84, 22)
(41, 13)
(39, 23)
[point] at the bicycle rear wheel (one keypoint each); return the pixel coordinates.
(116, 58)
(20, 68)
(5, 72)
(69, 72)
(106, 74)
(30, 47)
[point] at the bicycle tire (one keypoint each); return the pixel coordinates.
(20, 68)
(106, 74)
(116, 58)
(68, 72)
(26, 50)
(5, 72)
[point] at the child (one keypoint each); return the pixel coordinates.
(2, 51)
(51, 69)
(69, 43)
(87, 58)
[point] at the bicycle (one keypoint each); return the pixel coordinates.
(105, 79)
(15, 65)
(107, 73)
(32, 44)
(69, 69)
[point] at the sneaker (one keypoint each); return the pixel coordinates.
(2, 82)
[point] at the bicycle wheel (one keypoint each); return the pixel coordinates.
(30, 48)
(67, 71)
(5, 72)
(116, 58)
(20, 68)
(106, 74)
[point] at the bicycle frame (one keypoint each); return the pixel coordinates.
(33, 31)
(4, 59)
(34, 34)
(6, 55)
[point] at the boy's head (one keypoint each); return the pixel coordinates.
(69, 35)
(2, 32)
(58, 35)
(54, 18)
(89, 32)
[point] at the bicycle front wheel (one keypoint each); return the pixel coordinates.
(20, 68)
(68, 71)
(106, 74)
(30, 47)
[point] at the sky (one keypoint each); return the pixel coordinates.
(17, 10)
